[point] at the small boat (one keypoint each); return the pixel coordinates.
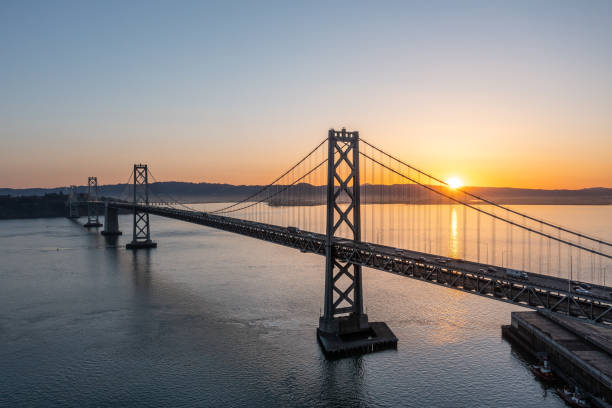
(543, 372)
(573, 399)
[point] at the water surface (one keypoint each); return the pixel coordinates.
(214, 319)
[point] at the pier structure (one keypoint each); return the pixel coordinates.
(111, 221)
(93, 219)
(73, 203)
(344, 327)
(579, 352)
(141, 231)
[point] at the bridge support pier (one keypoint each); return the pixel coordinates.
(111, 221)
(141, 233)
(344, 329)
(93, 219)
(73, 205)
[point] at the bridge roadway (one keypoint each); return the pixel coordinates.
(537, 292)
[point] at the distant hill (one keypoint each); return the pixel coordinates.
(212, 192)
(184, 192)
(504, 195)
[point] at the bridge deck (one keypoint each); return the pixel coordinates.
(537, 292)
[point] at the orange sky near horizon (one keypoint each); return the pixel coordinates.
(511, 154)
(504, 162)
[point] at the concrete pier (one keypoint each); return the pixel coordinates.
(579, 352)
(350, 336)
(141, 245)
(111, 221)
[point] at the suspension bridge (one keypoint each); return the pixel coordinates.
(359, 206)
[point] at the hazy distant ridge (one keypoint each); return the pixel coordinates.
(213, 192)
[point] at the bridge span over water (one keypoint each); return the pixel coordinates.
(359, 206)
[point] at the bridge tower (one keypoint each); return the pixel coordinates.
(141, 237)
(73, 205)
(344, 327)
(92, 209)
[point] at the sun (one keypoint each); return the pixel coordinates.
(454, 182)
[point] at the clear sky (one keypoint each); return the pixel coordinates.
(512, 93)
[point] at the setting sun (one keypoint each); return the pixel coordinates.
(454, 182)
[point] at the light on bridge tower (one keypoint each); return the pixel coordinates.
(344, 327)
(141, 231)
(92, 209)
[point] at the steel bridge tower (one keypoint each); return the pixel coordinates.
(92, 209)
(141, 237)
(73, 205)
(344, 327)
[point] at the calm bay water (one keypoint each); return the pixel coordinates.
(214, 319)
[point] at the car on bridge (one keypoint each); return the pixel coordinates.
(513, 273)
(582, 285)
(581, 290)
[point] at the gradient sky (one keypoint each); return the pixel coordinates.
(507, 93)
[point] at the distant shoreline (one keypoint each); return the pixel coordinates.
(43, 203)
(213, 192)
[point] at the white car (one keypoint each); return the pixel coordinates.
(582, 291)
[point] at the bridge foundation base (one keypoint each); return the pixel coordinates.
(352, 336)
(111, 233)
(111, 221)
(141, 245)
(92, 225)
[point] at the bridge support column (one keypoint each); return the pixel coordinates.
(344, 329)
(92, 209)
(141, 237)
(111, 221)
(73, 205)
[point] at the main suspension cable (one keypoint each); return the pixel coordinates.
(271, 184)
(285, 188)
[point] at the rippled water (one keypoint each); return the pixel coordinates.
(214, 319)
